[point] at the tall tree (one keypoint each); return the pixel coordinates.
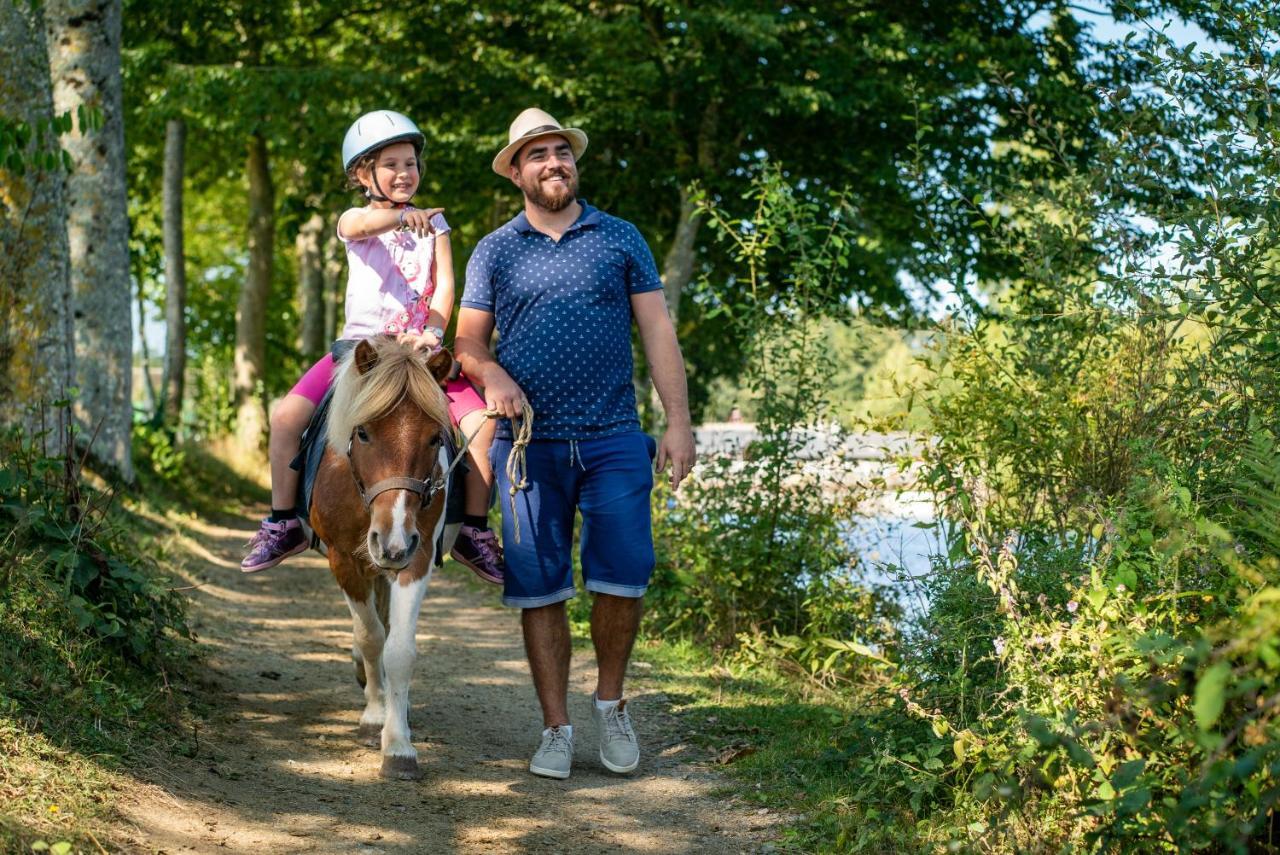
(175, 271)
(250, 354)
(84, 57)
(37, 359)
(312, 335)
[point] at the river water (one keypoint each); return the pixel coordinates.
(895, 540)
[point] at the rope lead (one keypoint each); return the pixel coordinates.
(517, 462)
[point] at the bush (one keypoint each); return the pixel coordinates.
(1099, 668)
(752, 554)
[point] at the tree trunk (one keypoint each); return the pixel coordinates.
(175, 273)
(37, 358)
(84, 59)
(313, 335)
(335, 284)
(677, 272)
(251, 329)
(677, 265)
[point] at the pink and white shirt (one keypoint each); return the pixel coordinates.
(390, 281)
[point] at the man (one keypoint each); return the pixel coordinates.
(563, 282)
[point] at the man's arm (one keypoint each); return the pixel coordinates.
(471, 347)
(666, 367)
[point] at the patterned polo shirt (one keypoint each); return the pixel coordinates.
(563, 314)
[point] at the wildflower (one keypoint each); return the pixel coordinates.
(1120, 589)
(1072, 606)
(998, 644)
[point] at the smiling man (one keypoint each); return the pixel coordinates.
(563, 282)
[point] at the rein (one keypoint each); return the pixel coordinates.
(517, 469)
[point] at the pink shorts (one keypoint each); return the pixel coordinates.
(463, 397)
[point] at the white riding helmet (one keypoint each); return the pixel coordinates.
(380, 128)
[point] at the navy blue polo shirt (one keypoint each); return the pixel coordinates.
(563, 314)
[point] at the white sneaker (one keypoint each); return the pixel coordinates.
(555, 755)
(619, 750)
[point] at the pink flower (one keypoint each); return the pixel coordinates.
(1072, 605)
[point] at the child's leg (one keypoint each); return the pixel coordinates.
(280, 535)
(480, 476)
(476, 546)
(288, 420)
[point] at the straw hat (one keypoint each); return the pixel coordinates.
(530, 125)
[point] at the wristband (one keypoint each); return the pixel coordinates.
(406, 209)
(438, 332)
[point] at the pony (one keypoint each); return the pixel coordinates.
(388, 429)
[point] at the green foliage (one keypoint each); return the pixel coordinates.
(91, 635)
(157, 452)
(1098, 669)
(63, 547)
(752, 554)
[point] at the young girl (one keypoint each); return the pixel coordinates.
(400, 282)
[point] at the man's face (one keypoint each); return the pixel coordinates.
(547, 173)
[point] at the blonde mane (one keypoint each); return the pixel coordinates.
(399, 372)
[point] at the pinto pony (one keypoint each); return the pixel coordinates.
(379, 507)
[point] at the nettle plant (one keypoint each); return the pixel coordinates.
(753, 550)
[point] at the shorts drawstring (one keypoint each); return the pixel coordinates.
(575, 452)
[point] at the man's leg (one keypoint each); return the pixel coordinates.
(614, 623)
(546, 643)
(617, 561)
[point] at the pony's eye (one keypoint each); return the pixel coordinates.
(362, 434)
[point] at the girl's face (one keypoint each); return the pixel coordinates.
(396, 168)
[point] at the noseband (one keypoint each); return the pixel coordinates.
(426, 490)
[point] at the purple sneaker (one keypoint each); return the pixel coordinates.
(479, 550)
(273, 543)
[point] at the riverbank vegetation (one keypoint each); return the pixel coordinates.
(1097, 667)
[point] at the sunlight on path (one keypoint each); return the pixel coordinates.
(279, 769)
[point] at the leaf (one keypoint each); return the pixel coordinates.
(1210, 697)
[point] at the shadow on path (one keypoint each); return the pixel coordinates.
(278, 767)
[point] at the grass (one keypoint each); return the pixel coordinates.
(775, 734)
(78, 714)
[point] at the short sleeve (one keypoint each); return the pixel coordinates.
(478, 287)
(642, 271)
(441, 226)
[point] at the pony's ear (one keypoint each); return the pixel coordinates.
(366, 356)
(440, 365)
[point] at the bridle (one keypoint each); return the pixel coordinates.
(425, 490)
(517, 468)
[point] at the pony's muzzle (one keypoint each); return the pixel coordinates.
(393, 553)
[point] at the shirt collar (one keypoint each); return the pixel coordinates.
(588, 218)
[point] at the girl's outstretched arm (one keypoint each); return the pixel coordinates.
(367, 222)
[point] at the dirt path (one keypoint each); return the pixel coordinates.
(279, 769)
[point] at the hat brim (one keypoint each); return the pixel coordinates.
(576, 137)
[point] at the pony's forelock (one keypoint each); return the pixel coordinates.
(399, 372)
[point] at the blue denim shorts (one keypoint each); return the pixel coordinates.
(609, 481)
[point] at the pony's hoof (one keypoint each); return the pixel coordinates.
(370, 735)
(400, 768)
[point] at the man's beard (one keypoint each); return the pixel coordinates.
(552, 203)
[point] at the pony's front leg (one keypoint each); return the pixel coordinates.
(399, 758)
(370, 638)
